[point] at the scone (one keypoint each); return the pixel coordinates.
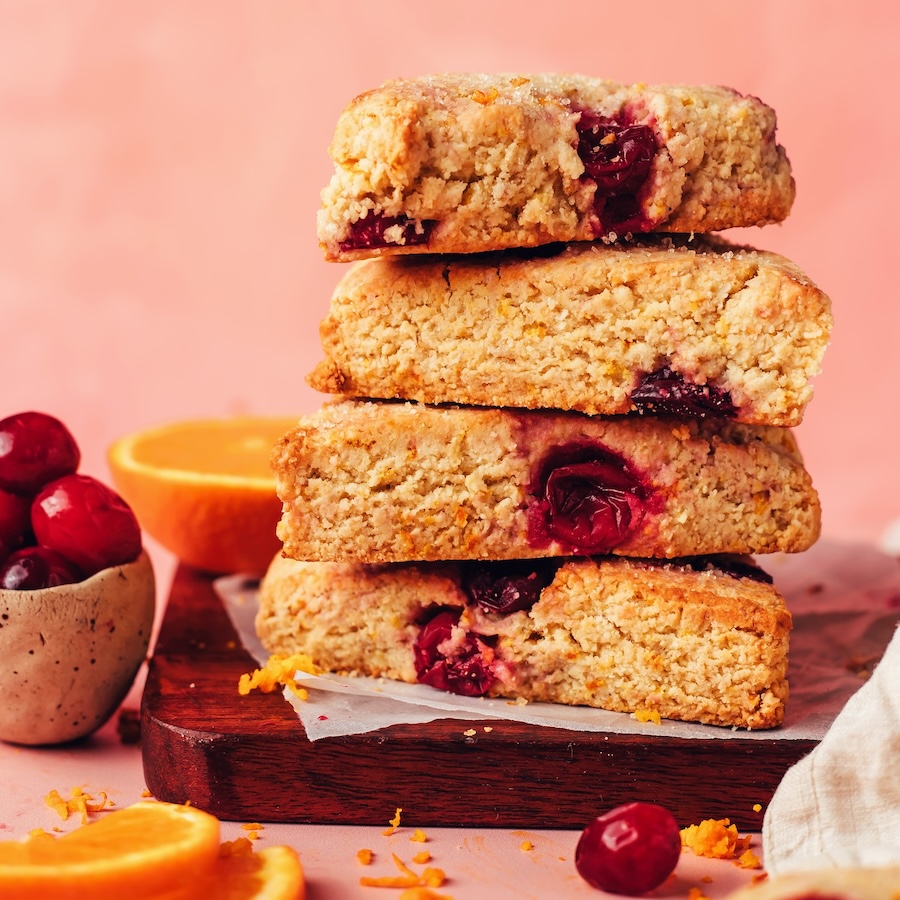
(827, 884)
(687, 641)
(460, 163)
(392, 482)
(682, 327)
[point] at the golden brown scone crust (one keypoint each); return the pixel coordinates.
(827, 884)
(492, 160)
(578, 330)
(392, 482)
(611, 633)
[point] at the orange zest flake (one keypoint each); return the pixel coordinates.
(394, 823)
(279, 670)
(253, 829)
(422, 893)
(526, 845)
(749, 860)
(419, 836)
(716, 839)
(696, 894)
(429, 877)
(364, 856)
(422, 857)
(485, 97)
(79, 802)
(648, 715)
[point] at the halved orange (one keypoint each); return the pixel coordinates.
(273, 873)
(161, 850)
(141, 851)
(203, 489)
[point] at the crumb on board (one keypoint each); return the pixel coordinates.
(469, 732)
(648, 715)
(488, 729)
(394, 823)
(279, 670)
(757, 807)
(79, 802)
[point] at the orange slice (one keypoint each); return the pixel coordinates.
(204, 489)
(144, 850)
(274, 873)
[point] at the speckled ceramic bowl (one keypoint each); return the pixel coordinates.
(69, 654)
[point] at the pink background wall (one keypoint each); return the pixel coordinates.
(160, 165)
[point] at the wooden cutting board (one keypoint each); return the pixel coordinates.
(248, 758)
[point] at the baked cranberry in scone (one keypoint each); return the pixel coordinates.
(684, 642)
(464, 163)
(376, 482)
(667, 326)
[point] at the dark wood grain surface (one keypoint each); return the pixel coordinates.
(248, 758)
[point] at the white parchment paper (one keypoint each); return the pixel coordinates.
(845, 600)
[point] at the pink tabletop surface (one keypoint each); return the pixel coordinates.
(479, 863)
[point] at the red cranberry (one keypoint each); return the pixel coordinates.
(666, 392)
(466, 672)
(617, 157)
(507, 586)
(86, 522)
(368, 233)
(15, 520)
(34, 448)
(33, 568)
(629, 850)
(588, 499)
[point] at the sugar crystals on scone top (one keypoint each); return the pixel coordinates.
(460, 163)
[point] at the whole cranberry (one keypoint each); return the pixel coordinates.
(629, 850)
(15, 520)
(87, 522)
(34, 448)
(32, 568)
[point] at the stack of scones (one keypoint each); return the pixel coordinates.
(563, 411)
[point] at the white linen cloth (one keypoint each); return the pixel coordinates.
(840, 805)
